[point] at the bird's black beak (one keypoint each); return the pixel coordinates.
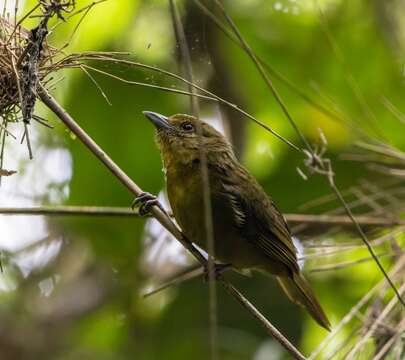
(160, 121)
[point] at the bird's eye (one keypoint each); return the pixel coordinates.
(186, 126)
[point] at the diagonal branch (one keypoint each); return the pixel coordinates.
(208, 225)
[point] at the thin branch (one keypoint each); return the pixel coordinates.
(208, 225)
(190, 273)
(164, 220)
(263, 73)
(340, 220)
(268, 326)
(185, 55)
(350, 79)
(71, 211)
(93, 80)
(268, 67)
(393, 109)
(346, 264)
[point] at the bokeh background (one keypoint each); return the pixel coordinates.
(71, 287)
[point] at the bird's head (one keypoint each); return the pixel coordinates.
(181, 138)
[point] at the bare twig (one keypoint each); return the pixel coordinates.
(268, 326)
(350, 79)
(262, 72)
(191, 273)
(321, 219)
(393, 109)
(71, 211)
(346, 264)
(342, 220)
(268, 67)
(209, 232)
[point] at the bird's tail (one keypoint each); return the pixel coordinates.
(299, 292)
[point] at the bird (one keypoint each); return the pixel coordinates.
(250, 233)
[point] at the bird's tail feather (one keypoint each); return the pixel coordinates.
(299, 292)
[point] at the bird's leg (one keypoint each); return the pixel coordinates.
(218, 270)
(145, 201)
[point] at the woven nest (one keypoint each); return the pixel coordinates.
(18, 68)
(26, 63)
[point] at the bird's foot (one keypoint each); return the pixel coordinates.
(145, 201)
(218, 270)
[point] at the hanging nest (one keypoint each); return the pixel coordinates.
(13, 40)
(26, 61)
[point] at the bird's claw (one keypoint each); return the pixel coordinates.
(218, 270)
(145, 202)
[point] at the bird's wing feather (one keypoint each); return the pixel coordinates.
(259, 220)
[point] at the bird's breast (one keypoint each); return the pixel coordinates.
(186, 196)
(184, 189)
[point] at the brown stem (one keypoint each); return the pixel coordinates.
(341, 220)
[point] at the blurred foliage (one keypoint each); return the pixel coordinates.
(365, 61)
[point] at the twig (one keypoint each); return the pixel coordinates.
(350, 79)
(164, 220)
(185, 55)
(269, 68)
(208, 225)
(346, 264)
(340, 220)
(393, 109)
(269, 327)
(189, 274)
(71, 211)
(262, 72)
(383, 150)
(93, 80)
(3, 143)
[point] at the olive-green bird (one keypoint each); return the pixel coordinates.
(249, 231)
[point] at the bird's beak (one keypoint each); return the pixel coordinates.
(160, 121)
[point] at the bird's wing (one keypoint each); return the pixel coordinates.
(261, 222)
